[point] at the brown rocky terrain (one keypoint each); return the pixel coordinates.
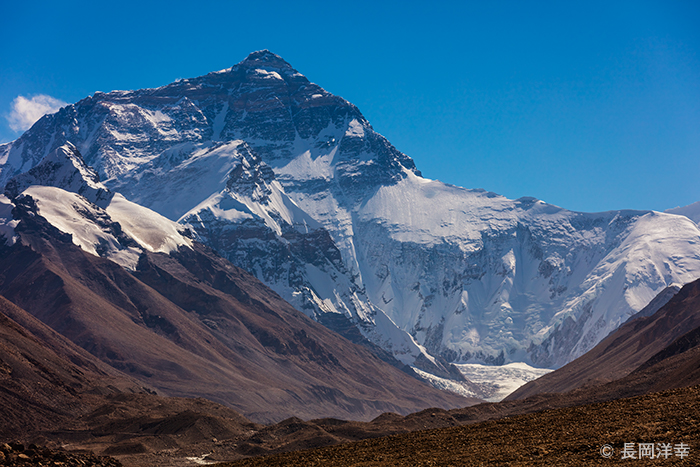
(45, 380)
(563, 437)
(55, 394)
(16, 454)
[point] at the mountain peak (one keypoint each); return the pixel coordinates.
(264, 58)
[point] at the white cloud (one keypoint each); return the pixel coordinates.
(27, 111)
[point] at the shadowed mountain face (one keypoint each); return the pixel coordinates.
(649, 353)
(45, 379)
(54, 392)
(292, 184)
(192, 324)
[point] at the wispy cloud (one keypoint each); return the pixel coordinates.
(25, 111)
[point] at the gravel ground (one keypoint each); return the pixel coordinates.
(561, 437)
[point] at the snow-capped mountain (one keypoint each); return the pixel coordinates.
(293, 184)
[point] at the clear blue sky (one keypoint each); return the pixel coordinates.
(590, 105)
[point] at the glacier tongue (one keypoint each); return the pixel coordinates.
(497, 382)
(293, 184)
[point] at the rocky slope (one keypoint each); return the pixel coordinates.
(55, 393)
(294, 185)
(563, 437)
(16, 454)
(46, 380)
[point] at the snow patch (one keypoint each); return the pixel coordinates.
(305, 167)
(93, 229)
(70, 213)
(355, 129)
(152, 231)
(267, 74)
(201, 460)
(221, 206)
(7, 223)
(157, 116)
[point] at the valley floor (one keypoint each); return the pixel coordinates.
(563, 437)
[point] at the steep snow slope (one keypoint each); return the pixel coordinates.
(64, 167)
(691, 211)
(293, 184)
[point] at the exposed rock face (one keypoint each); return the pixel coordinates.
(293, 184)
(64, 167)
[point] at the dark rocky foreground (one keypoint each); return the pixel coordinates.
(20, 455)
(541, 430)
(560, 437)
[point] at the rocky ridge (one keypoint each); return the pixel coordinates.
(16, 454)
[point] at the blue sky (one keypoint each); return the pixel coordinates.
(588, 105)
